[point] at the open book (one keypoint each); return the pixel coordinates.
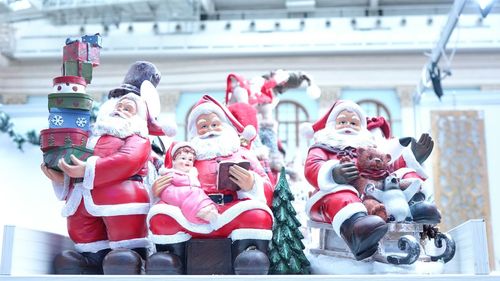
(223, 180)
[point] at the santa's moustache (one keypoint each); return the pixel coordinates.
(118, 125)
(213, 144)
(342, 138)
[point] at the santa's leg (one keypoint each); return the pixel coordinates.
(128, 239)
(91, 244)
(350, 220)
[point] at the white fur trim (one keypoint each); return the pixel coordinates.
(322, 193)
(224, 218)
(346, 213)
(92, 141)
(306, 130)
(61, 190)
(179, 145)
(92, 247)
(73, 200)
(169, 239)
(349, 106)
(325, 176)
(411, 162)
(257, 191)
(88, 178)
(251, 233)
(131, 243)
(80, 192)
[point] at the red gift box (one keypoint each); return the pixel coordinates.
(84, 52)
(58, 137)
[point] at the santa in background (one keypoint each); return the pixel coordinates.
(245, 216)
(408, 165)
(337, 134)
(106, 210)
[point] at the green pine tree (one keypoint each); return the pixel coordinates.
(286, 250)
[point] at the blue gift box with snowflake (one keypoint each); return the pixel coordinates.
(69, 118)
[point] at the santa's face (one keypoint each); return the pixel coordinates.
(122, 122)
(125, 108)
(183, 162)
(214, 138)
(348, 122)
(208, 125)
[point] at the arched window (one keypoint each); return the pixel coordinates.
(374, 108)
(290, 115)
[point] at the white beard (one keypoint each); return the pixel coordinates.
(111, 124)
(340, 139)
(224, 143)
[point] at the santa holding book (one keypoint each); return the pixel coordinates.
(244, 214)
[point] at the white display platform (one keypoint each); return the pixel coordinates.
(27, 255)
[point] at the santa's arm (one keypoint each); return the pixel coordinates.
(408, 160)
(119, 166)
(319, 169)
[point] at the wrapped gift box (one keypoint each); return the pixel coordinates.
(58, 137)
(78, 68)
(69, 118)
(94, 40)
(51, 157)
(81, 52)
(70, 101)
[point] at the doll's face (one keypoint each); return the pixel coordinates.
(183, 162)
(348, 120)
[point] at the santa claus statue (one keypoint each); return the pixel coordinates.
(244, 215)
(106, 202)
(335, 200)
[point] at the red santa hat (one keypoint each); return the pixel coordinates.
(207, 105)
(242, 82)
(308, 130)
(174, 146)
(375, 123)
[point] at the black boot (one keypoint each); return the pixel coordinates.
(423, 211)
(362, 232)
(250, 257)
(73, 262)
(123, 262)
(169, 259)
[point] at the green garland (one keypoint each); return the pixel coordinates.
(6, 126)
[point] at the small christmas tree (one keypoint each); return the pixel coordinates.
(286, 248)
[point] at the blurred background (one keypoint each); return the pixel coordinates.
(427, 66)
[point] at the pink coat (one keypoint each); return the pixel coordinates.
(185, 192)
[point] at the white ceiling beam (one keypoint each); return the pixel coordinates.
(208, 6)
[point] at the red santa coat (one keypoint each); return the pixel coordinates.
(247, 216)
(331, 202)
(108, 209)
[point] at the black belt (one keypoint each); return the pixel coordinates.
(221, 198)
(132, 178)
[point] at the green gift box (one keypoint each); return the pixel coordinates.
(70, 101)
(78, 68)
(51, 157)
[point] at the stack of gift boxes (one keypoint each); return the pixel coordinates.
(69, 104)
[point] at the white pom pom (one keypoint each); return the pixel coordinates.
(313, 91)
(306, 130)
(249, 132)
(170, 129)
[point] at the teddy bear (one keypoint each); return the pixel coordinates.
(373, 167)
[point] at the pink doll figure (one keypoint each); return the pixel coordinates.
(184, 191)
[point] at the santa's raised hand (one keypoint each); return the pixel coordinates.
(77, 170)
